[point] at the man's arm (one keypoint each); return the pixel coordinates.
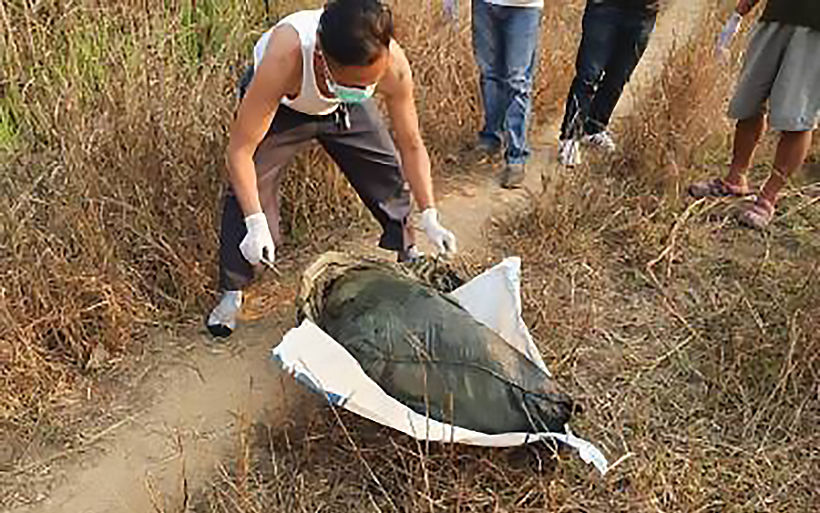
(270, 83)
(397, 87)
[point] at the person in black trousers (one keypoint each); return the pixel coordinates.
(615, 35)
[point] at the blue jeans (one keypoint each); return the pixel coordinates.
(613, 41)
(505, 42)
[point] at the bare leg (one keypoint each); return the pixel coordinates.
(791, 153)
(747, 135)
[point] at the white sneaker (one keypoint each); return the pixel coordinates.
(602, 141)
(222, 320)
(568, 152)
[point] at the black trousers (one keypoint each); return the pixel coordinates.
(613, 42)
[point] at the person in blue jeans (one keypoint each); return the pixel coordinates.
(505, 43)
(615, 35)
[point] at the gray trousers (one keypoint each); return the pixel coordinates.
(357, 140)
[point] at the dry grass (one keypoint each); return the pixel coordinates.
(332, 461)
(692, 343)
(110, 172)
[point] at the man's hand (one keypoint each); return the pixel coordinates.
(442, 238)
(257, 246)
(745, 6)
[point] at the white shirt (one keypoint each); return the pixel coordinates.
(310, 99)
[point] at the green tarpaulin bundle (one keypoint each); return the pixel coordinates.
(385, 341)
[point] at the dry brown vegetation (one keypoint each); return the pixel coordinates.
(115, 116)
(691, 342)
(694, 341)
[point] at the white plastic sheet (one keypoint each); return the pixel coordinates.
(493, 298)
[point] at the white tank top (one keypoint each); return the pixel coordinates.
(310, 100)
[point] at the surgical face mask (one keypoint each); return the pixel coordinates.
(351, 94)
(347, 94)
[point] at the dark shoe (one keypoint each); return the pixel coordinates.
(219, 330)
(409, 255)
(222, 320)
(512, 176)
(717, 188)
(487, 148)
(482, 151)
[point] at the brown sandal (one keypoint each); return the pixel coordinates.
(758, 215)
(717, 188)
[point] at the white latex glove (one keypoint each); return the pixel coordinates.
(442, 238)
(451, 9)
(257, 246)
(728, 32)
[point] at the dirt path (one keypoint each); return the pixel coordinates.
(150, 460)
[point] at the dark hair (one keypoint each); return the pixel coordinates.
(355, 32)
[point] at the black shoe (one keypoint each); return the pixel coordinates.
(512, 177)
(487, 149)
(408, 255)
(219, 330)
(222, 320)
(481, 151)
